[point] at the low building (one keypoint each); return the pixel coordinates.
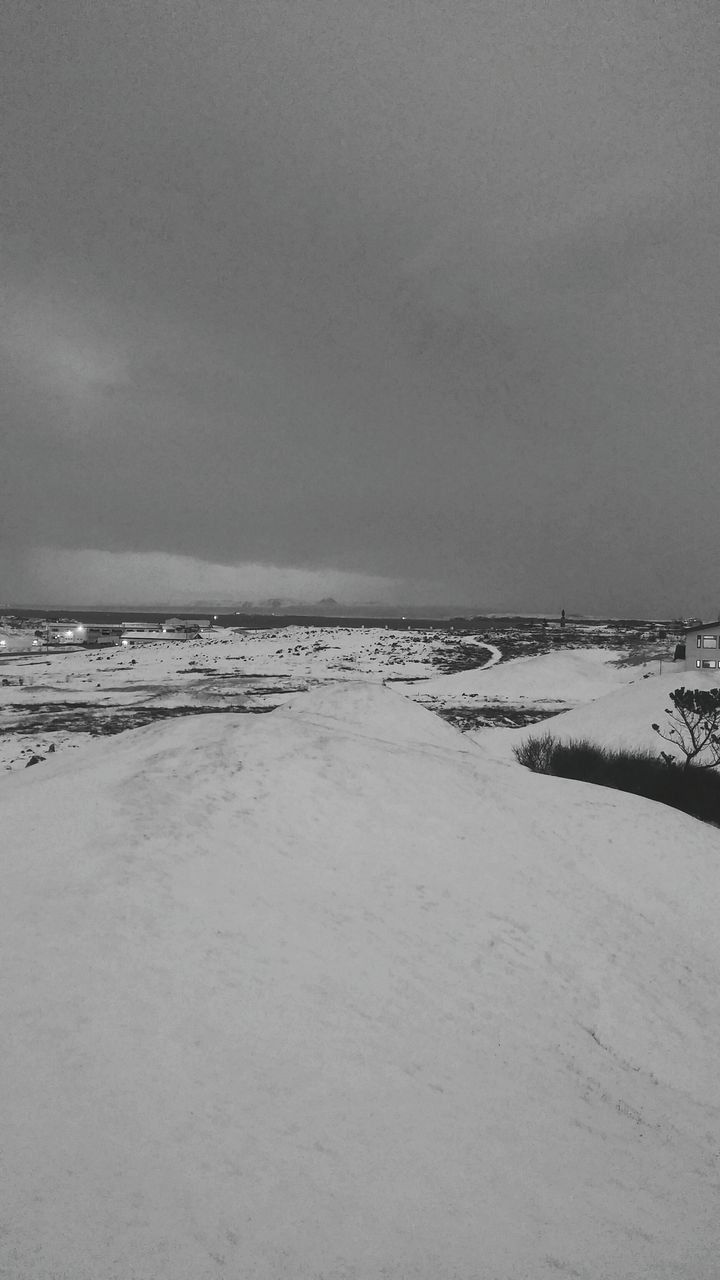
(97, 635)
(54, 633)
(702, 647)
(190, 625)
(66, 631)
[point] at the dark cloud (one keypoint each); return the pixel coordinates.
(416, 290)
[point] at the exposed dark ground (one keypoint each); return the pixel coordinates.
(456, 656)
(102, 721)
(500, 715)
(521, 638)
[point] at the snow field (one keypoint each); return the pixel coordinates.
(332, 993)
(248, 668)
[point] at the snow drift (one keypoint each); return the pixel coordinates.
(563, 676)
(621, 719)
(330, 993)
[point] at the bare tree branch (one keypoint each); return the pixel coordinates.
(694, 726)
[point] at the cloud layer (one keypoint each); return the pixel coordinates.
(148, 578)
(416, 292)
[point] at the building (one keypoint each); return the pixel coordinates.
(192, 626)
(65, 631)
(99, 635)
(702, 647)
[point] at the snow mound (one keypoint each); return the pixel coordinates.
(375, 713)
(328, 993)
(566, 675)
(622, 719)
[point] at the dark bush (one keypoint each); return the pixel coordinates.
(536, 753)
(693, 790)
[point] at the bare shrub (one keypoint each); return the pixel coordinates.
(693, 727)
(692, 789)
(536, 753)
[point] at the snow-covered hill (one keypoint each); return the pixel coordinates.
(331, 993)
(565, 676)
(622, 718)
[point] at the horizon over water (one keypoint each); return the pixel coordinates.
(307, 616)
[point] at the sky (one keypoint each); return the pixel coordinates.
(382, 299)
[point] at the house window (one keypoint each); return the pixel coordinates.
(709, 642)
(708, 662)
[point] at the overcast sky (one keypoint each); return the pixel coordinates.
(399, 298)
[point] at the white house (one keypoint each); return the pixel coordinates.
(702, 647)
